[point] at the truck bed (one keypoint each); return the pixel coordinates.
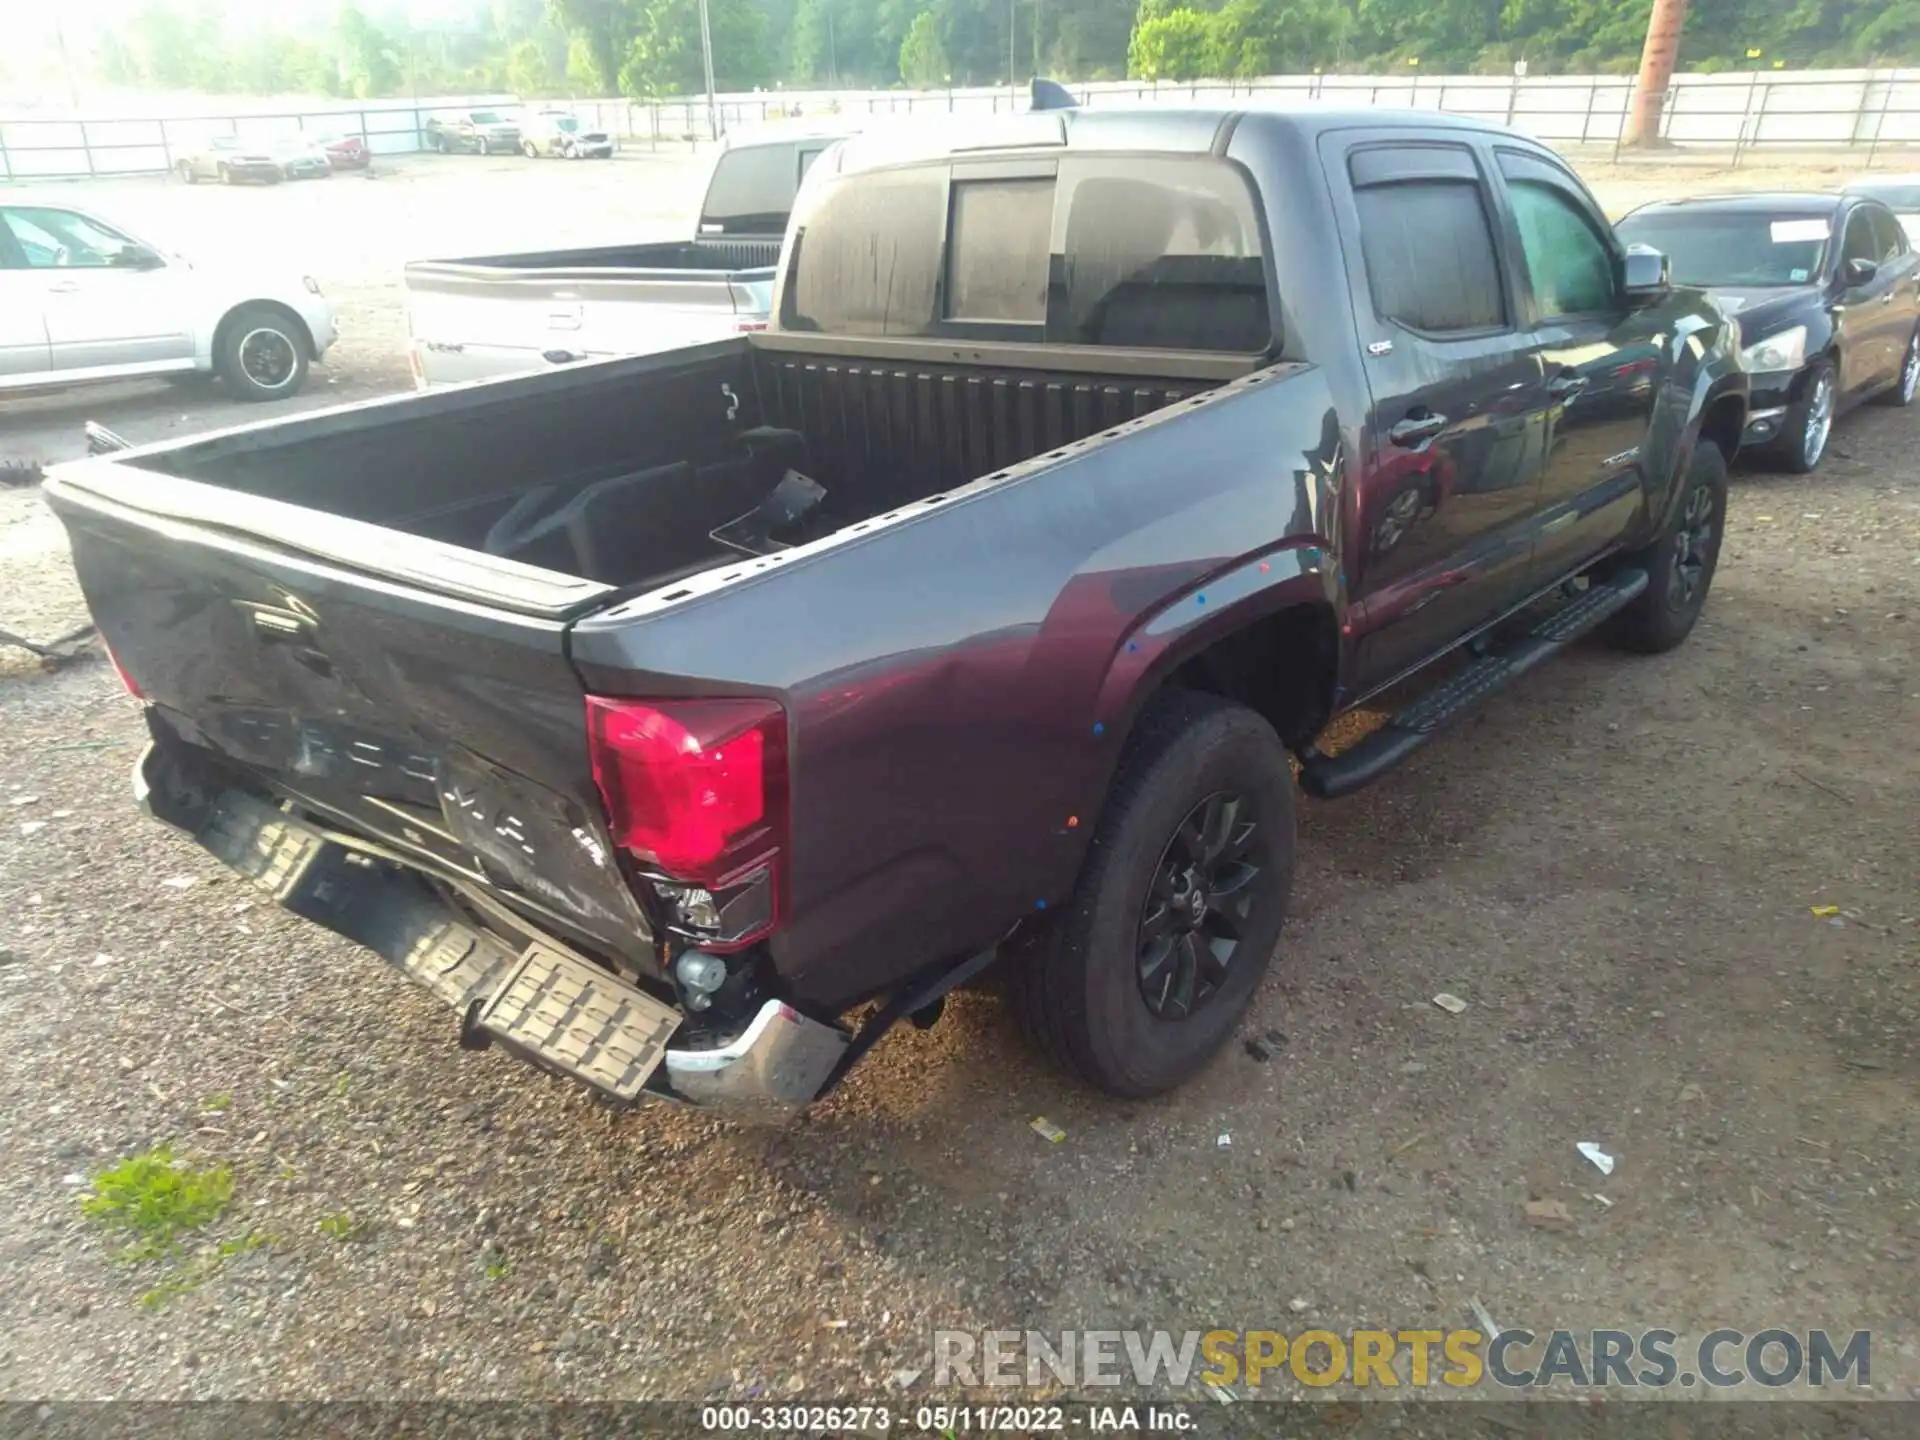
(621, 474)
(367, 611)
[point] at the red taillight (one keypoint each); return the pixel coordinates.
(696, 788)
(121, 671)
(745, 327)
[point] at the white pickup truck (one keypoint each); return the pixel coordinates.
(508, 314)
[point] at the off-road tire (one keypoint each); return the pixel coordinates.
(1660, 618)
(1075, 987)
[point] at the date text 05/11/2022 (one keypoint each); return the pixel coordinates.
(947, 1419)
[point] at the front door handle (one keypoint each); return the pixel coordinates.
(1417, 429)
(1566, 385)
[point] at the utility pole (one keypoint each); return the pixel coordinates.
(1656, 72)
(1012, 30)
(706, 57)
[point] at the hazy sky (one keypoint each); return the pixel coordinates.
(26, 20)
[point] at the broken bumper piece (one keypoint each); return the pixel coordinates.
(545, 1003)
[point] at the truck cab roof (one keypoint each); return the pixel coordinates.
(1158, 128)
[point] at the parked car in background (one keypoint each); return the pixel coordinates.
(84, 299)
(1899, 193)
(480, 132)
(345, 152)
(1827, 292)
(657, 714)
(231, 160)
(301, 158)
(499, 314)
(560, 132)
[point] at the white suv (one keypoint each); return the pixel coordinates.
(81, 299)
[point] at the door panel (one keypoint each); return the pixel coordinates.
(1600, 363)
(115, 317)
(97, 311)
(1443, 519)
(1900, 305)
(1867, 359)
(23, 333)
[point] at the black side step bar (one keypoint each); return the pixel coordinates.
(1330, 776)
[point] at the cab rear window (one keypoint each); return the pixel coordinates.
(752, 188)
(1137, 252)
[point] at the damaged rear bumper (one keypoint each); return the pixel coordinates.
(545, 1002)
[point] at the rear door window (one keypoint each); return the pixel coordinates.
(1427, 241)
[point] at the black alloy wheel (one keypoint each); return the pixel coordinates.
(1198, 905)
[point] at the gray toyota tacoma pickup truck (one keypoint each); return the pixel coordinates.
(685, 721)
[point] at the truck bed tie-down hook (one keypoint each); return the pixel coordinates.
(733, 403)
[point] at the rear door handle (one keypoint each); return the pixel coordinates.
(63, 287)
(1566, 385)
(1417, 429)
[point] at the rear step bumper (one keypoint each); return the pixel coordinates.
(547, 1004)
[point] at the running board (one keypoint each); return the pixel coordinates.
(1329, 776)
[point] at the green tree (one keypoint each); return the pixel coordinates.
(1173, 46)
(529, 71)
(368, 59)
(606, 30)
(665, 57)
(923, 57)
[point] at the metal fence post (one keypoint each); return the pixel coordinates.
(1886, 99)
(1513, 99)
(6, 161)
(1860, 111)
(166, 147)
(86, 146)
(1746, 116)
(1586, 120)
(1753, 84)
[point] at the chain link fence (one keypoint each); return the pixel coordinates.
(1865, 116)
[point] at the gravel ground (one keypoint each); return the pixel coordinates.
(1614, 865)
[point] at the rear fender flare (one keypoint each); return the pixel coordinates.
(1301, 571)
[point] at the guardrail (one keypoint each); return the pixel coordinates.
(1860, 112)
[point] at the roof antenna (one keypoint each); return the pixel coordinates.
(1051, 95)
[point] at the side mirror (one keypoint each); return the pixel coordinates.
(1646, 275)
(1860, 272)
(139, 257)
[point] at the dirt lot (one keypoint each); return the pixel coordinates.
(1615, 865)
